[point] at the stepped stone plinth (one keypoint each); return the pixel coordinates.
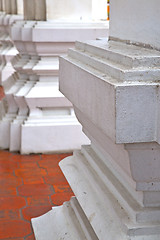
(44, 114)
(111, 169)
(114, 88)
(8, 52)
(38, 115)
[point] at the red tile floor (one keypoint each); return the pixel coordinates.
(1, 92)
(29, 186)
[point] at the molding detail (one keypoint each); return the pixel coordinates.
(40, 110)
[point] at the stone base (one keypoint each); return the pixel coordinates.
(111, 206)
(33, 90)
(5, 73)
(110, 203)
(5, 130)
(51, 134)
(41, 135)
(65, 222)
(15, 133)
(3, 108)
(49, 128)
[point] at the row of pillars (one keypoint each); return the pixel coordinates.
(29, 8)
(32, 11)
(8, 6)
(37, 10)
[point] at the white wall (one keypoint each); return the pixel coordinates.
(99, 9)
(136, 20)
(20, 6)
(69, 9)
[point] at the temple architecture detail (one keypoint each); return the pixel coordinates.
(39, 115)
(10, 11)
(114, 88)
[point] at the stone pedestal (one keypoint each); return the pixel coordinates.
(38, 115)
(75, 10)
(8, 51)
(42, 115)
(9, 13)
(114, 88)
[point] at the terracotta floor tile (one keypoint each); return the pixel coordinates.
(31, 237)
(64, 155)
(14, 239)
(54, 171)
(38, 201)
(5, 155)
(52, 160)
(12, 202)
(27, 165)
(9, 180)
(62, 188)
(35, 190)
(7, 166)
(33, 180)
(9, 214)
(30, 172)
(53, 157)
(27, 173)
(1, 92)
(35, 211)
(7, 191)
(14, 228)
(26, 158)
(59, 198)
(58, 179)
(49, 163)
(27, 182)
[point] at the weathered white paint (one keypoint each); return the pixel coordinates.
(136, 21)
(7, 53)
(45, 134)
(99, 9)
(70, 10)
(69, 215)
(114, 88)
(20, 7)
(50, 113)
(75, 10)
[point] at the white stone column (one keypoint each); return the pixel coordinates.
(35, 10)
(7, 53)
(99, 9)
(75, 10)
(114, 88)
(72, 10)
(20, 7)
(7, 6)
(43, 115)
(14, 6)
(1, 5)
(7, 17)
(29, 9)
